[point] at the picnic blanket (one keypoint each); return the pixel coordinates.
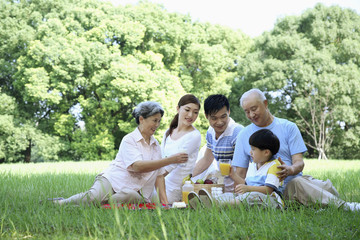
(140, 206)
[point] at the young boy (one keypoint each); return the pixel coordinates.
(260, 187)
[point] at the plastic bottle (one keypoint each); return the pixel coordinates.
(187, 187)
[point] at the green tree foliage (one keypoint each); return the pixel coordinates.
(309, 68)
(17, 140)
(75, 70)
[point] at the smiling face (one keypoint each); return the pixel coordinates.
(149, 125)
(188, 113)
(257, 111)
(219, 120)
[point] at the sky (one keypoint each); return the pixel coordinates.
(252, 17)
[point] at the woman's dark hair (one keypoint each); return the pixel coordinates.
(147, 109)
(215, 103)
(265, 139)
(186, 99)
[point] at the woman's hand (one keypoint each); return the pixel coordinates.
(242, 188)
(180, 157)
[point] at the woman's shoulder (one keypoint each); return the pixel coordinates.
(194, 136)
(195, 132)
(132, 137)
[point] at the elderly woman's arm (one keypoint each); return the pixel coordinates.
(148, 166)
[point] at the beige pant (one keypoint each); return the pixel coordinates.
(101, 192)
(308, 190)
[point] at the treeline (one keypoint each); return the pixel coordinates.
(72, 71)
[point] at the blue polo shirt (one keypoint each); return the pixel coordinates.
(224, 146)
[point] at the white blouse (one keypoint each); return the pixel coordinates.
(190, 142)
(120, 173)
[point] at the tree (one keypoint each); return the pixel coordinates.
(76, 69)
(311, 76)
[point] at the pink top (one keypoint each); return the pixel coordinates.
(133, 148)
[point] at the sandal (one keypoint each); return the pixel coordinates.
(205, 198)
(194, 200)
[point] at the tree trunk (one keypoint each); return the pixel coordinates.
(28, 153)
(322, 154)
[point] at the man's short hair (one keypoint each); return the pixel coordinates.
(260, 94)
(265, 139)
(215, 103)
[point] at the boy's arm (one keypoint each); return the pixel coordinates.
(242, 188)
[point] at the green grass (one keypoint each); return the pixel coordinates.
(22, 217)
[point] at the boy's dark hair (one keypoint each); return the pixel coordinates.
(214, 103)
(265, 139)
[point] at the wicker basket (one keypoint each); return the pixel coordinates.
(208, 187)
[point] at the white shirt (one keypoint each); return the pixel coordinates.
(173, 181)
(133, 148)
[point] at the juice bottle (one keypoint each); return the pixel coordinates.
(187, 187)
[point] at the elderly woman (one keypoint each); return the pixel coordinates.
(131, 177)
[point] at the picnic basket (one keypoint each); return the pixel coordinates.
(208, 187)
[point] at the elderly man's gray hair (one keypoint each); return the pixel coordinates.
(260, 94)
(147, 109)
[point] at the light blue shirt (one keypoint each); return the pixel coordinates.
(291, 142)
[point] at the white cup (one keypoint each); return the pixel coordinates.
(182, 149)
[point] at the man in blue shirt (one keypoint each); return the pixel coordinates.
(303, 189)
(220, 137)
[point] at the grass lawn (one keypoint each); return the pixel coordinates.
(22, 217)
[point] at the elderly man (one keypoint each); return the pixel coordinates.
(303, 189)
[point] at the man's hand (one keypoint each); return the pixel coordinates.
(285, 170)
(242, 188)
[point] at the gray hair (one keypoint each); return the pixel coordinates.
(147, 109)
(259, 94)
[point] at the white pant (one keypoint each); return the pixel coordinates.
(101, 192)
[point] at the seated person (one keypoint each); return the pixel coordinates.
(131, 177)
(297, 187)
(181, 136)
(261, 185)
(220, 137)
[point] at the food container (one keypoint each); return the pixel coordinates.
(208, 187)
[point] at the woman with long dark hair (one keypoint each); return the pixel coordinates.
(181, 136)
